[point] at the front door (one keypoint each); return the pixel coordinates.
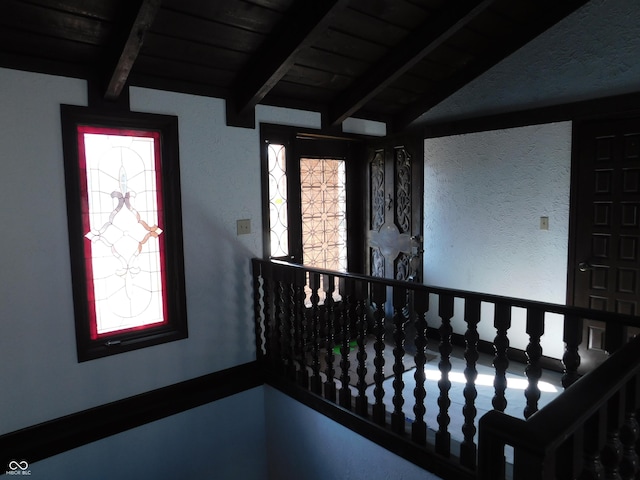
(395, 205)
(606, 237)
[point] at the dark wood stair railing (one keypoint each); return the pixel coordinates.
(589, 432)
(305, 317)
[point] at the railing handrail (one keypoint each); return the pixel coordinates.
(580, 312)
(290, 337)
(548, 428)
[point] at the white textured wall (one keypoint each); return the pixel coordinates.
(484, 196)
(305, 445)
(223, 440)
(220, 177)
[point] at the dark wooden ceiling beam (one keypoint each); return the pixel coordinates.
(432, 34)
(131, 48)
(298, 29)
(553, 13)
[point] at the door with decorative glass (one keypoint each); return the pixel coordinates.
(394, 208)
(313, 206)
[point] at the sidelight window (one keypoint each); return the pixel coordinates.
(278, 214)
(317, 221)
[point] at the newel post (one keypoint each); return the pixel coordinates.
(530, 465)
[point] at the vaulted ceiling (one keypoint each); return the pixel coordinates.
(385, 60)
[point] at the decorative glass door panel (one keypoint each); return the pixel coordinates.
(324, 220)
(278, 205)
(395, 209)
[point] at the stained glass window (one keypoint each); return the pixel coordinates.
(122, 224)
(124, 213)
(304, 181)
(278, 219)
(324, 220)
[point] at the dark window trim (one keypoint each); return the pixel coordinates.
(176, 325)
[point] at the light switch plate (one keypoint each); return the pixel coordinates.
(544, 223)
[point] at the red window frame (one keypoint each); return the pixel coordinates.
(76, 122)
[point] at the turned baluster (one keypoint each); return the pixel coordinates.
(612, 452)
(291, 324)
(419, 427)
(260, 320)
(595, 431)
(279, 321)
(362, 402)
(267, 299)
(572, 340)
(468, 448)
(533, 371)
(316, 380)
(346, 290)
(443, 437)
(300, 330)
(267, 311)
(379, 297)
(329, 384)
(630, 432)
(398, 419)
(502, 324)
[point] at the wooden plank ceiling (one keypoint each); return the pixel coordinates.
(386, 60)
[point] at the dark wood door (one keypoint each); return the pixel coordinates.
(605, 268)
(395, 205)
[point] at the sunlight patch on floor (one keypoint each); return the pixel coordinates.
(487, 380)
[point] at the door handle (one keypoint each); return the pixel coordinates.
(584, 266)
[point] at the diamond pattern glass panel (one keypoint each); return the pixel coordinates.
(121, 221)
(324, 221)
(278, 222)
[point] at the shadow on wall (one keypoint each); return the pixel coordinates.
(219, 283)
